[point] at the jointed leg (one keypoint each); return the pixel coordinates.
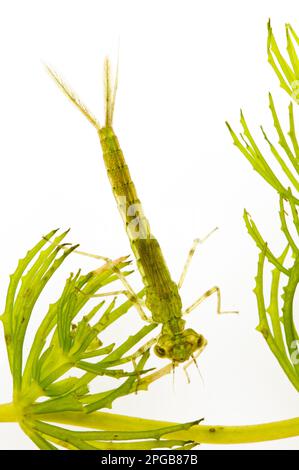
(132, 298)
(143, 349)
(137, 354)
(129, 292)
(207, 294)
(115, 293)
(196, 242)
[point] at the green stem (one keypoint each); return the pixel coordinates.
(206, 434)
(8, 413)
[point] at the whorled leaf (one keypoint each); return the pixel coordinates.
(277, 323)
(287, 70)
(65, 341)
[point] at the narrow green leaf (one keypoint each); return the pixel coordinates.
(39, 441)
(7, 317)
(282, 140)
(284, 227)
(286, 69)
(261, 244)
(124, 389)
(273, 308)
(292, 132)
(65, 386)
(69, 403)
(111, 435)
(288, 313)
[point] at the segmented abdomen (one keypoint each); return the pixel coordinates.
(162, 297)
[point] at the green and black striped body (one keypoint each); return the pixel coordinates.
(162, 297)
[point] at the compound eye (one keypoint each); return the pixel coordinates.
(160, 351)
(200, 341)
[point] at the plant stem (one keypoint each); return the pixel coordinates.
(8, 413)
(206, 434)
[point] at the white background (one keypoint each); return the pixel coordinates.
(185, 67)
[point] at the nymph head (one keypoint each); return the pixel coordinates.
(179, 347)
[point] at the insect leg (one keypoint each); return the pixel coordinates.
(129, 291)
(138, 353)
(203, 297)
(115, 293)
(132, 297)
(139, 303)
(196, 242)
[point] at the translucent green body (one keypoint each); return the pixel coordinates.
(162, 297)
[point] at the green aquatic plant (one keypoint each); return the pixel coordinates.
(277, 320)
(48, 393)
(46, 382)
(51, 383)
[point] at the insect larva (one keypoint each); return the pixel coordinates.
(162, 297)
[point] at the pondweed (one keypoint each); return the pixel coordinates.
(276, 320)
(63, 342)
(51, 383)
(46, 395)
